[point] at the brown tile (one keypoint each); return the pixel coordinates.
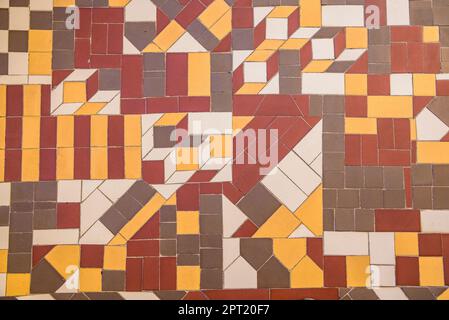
(18, 41)
(107, 296)
(211, 279)
(154, 61)
(340, 66)
(422, 197)
(167, 247)
(273, 275)
(41, 20)
(22, 192)
(328, 220)
(353, 177)
(333, 161)
(379, 54)
(63, 40)
(221, 101)
(4, 19)
(109, 79)
(113, 280)
(46, 191)
(3, 64)
(21, 222)
(393, 177)
(140, 34)
(242, 39)
(364, 220)
(62, 59)
(373, 177)
(127, 206)
(344, 220)
(188, 260)
(316, 106)
(188, 244)
(441, 175)
(439, 107)
(154, 86)
(4, 216)
(142, 192)
(289, 85)
(45, 279)
(394, 199)
(289, 57)
(418, 293)
(44, 219)
(348, 199)
(168, 214)
(333, 142)
(333, 105)
(167, 230)
(210, 204)
(334, 179)
(211, 224)
(113, 220)
(221, 62)
(421, 175)
(371, 198)
(256, 251)
(221, 82)
(211, 241)
(329, 198)
(211, 258)
(20, 242)
(379, 36)
(441, 198)
(19, 262)
(259, 204)
(363, 294)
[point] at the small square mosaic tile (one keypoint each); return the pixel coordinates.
(224, 149)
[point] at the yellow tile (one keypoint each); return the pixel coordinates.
(239, 123)
(2, 165)
(167, 37)
(406, 244)
(3, 261)
(2, 100)
(280, 225)
(318, 66)
(431, 34)
(90, 108)
(223, 26)
(413, 130)
(187, 159)
(199, 74)
(270, 44)
(30, 132)
(356, 38)
(294, 44)
(118, 240)
(360, 126)
(357, 271)
(310, 13)
(74, 92)
(114, 258)
(40, 40)
(213, 12)
(118, 3)
(90, 280)
(98, 163)
(260, 56)
(65, 259)
(251, 88)
(221, 146)
(390, 107)
(63, 3)
(30, 165)
(171, 201)
(188, 277)
(282, 11)
(99, 131)
(289, 251)
(444, 295)
(310, 212)
(65, 163)
(356, 84)
(152, 48)
(424, 85)
(133, 132)
(307, 274)
(431, 271)
(142, 217)
(434, 152)
(18, 284)
(170, 119)
(32, 100)
(39, 63)
(187, 222)
(2, 132)
(65, 131)
(133, 162)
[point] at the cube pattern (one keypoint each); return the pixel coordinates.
(214, 149)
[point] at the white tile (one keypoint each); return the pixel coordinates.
(401, 84)
(38, 297)
(39, 79)
(56, 97)
(92, 209)
(390, 294)
(343, 16)
(323, 83)
(80, 75)
(351, 54)
(140, 10)
(302, 232)
(346, 243)
(398, 13)
(19, 18)
(2, 282)
(304, 33)
(138, 296)
(180, 177)
(69, 191)
(41, 5)
(323, 49)
(429, 127)
(255, 72)
(231, 251)
(88, 186)
(259, 13)
(97, 234)
(104, 96)
(210, 123)
(238, 56)
(435, 221)
(277, 28)
(233, 217)
(18, 63)
(4, 3)
(14, 79)
(5, 194)
(317, 165)
(311, 145)
(114, 189)
(284, 189)
(240, 275)
(4, 237)
(272, 86)
(148, 121)
(383, 276)
(4, 41)
(166, 190)
(147, 142)
(56, 236)
(187, 43)
(442, 76)
(381, 248)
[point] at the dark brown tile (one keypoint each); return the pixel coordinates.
(373, 177)
(188, 244)
(113, 280)
(394, 199)
(19, 262)
(441, 175)
(211, 224)
(211, 258)
(163, 137)
(348, 199)
(21, 222)
(167, 247)
(140, 34)
(344, 220)
(142, 192)
(210, 204)
(256, 251)
(44, 219)
(441, 198)
(22, 192)
(41, 20)
(353, 177)
(211, 279)
(394, 177)
(45, 279)
(422, 197)
(167, 214)
(421, 175)
(20, 242)
(127, 206)
(371, 198)
(113, 220)
(4, 216)
(273, 275)
(364, 220)
(46, 191)
(167, 230)
(188, 260)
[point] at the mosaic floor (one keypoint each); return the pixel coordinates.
(220, 149)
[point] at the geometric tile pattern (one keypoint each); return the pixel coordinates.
(224, 149)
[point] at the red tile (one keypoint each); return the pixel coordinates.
(419, 103)
(339, 43)
(13, 165)
(296, 133)
(245, 176)
(224, 45)
(415, 53)
(269, 106)
(369, 150)
(45, 100)
(242, 17)
(143, 248)
(259, 33)
(92, 256)
(81, 131)
(162, 20)
(397, 220)
(115, 38)
(132, 75)
(305, 54)
(13, 138)
(203, 176)
(82, 163)
(39, 252)
(243, 294)
(353, 150)
(150, 229)
(116, 163)
(382, 5)
(14, 101)
(432, 58)
(361, 65)
(82, 53)
(59, 75)
(237, 79)
(134, 274)
(151, 273)
(315, 251)
(445, 245)
(132, 106)
(356, 106)
(443, 88)
(378, 85)
(153, 172)
(108, 15)
(399, 60)
(402, 134)
(85, 26)
(446, 270)
(47, 164)
(177, 73)
(407, 271)
(406, 33)
(246, 230)
(92, 85)
(430, 245)
(246, 105)
(162, 105)
(211, 188)
(68, 215)
(385, 133)
(334, 271)
(189, 13)
(108, 61)
(99, 43)
(232, 192)
(115, 131)
(194, 104)
(187, 197)
(394, 158)
(167, 273)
